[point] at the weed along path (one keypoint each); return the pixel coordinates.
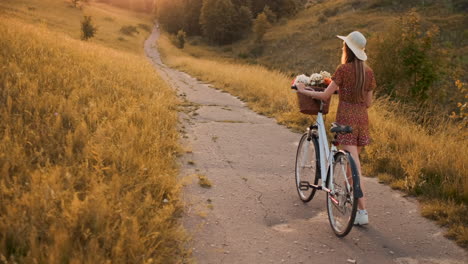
(252, 214)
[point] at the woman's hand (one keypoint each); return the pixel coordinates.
(300, 87)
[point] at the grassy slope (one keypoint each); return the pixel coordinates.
(405, 156)
(306, 43)
(87, 142)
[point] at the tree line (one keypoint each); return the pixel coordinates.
(221, 21)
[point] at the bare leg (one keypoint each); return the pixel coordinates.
(355, 150)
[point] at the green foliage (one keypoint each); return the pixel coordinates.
(218, 21)
(192, 17)
(88, 30)
(243, 21)
(261, 25)
(181, 35)
(407, 63)
(170, 15)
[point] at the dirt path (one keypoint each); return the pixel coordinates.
(252, 213)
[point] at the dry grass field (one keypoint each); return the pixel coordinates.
(88, 142)
(403, 154)
(60, 16)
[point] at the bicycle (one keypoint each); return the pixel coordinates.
(337, 175)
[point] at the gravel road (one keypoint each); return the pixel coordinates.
(252, 213)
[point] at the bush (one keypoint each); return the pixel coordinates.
(322, 19)
(329, 12)
(145, 27)
(181, 35)
(261, 26)
(271, 16)
(411, 71)
(88, 30)
(129, 30)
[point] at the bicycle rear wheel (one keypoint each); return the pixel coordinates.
(341, 204)
(307, 165)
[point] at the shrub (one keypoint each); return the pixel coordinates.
(322, 19)
(412, 70)
(329, 12)
(129, 30)
(88, 30)
(271, 16)
(181, 35)
(145, 27)
(261, 26)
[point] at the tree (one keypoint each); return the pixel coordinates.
(261, 26)
(243, 21)
(87, 28)
(217, 20)
(192, 17)
(170, 14)
(284, 8)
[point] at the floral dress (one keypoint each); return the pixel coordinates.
(349, 113)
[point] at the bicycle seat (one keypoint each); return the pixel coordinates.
(337, 128)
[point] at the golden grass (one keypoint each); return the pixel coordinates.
(87, 152)
(432, 166)
(59, 16)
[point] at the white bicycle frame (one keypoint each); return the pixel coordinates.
(326, 164)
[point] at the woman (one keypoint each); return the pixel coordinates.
(355, 80)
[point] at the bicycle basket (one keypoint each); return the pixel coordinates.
(310, 106)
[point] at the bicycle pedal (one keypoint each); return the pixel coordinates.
(304, 185)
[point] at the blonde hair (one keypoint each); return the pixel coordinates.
(359, 66)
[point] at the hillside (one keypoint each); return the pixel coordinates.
(59, 16)
(307, 40)
(307, 43)
(88, 141)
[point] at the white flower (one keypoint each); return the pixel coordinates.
(325, 74)
(302, 79)
(315, 77)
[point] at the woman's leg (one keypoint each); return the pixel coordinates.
(354, 151)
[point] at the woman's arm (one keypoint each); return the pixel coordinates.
(369, 99)
(325, 95)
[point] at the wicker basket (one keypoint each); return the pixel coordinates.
(310, 106)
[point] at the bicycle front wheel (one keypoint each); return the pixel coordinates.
(341, 204)
(307, 164)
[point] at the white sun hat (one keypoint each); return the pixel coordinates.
(357, 43)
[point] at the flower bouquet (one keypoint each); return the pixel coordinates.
(314, 82)
(322, 79)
